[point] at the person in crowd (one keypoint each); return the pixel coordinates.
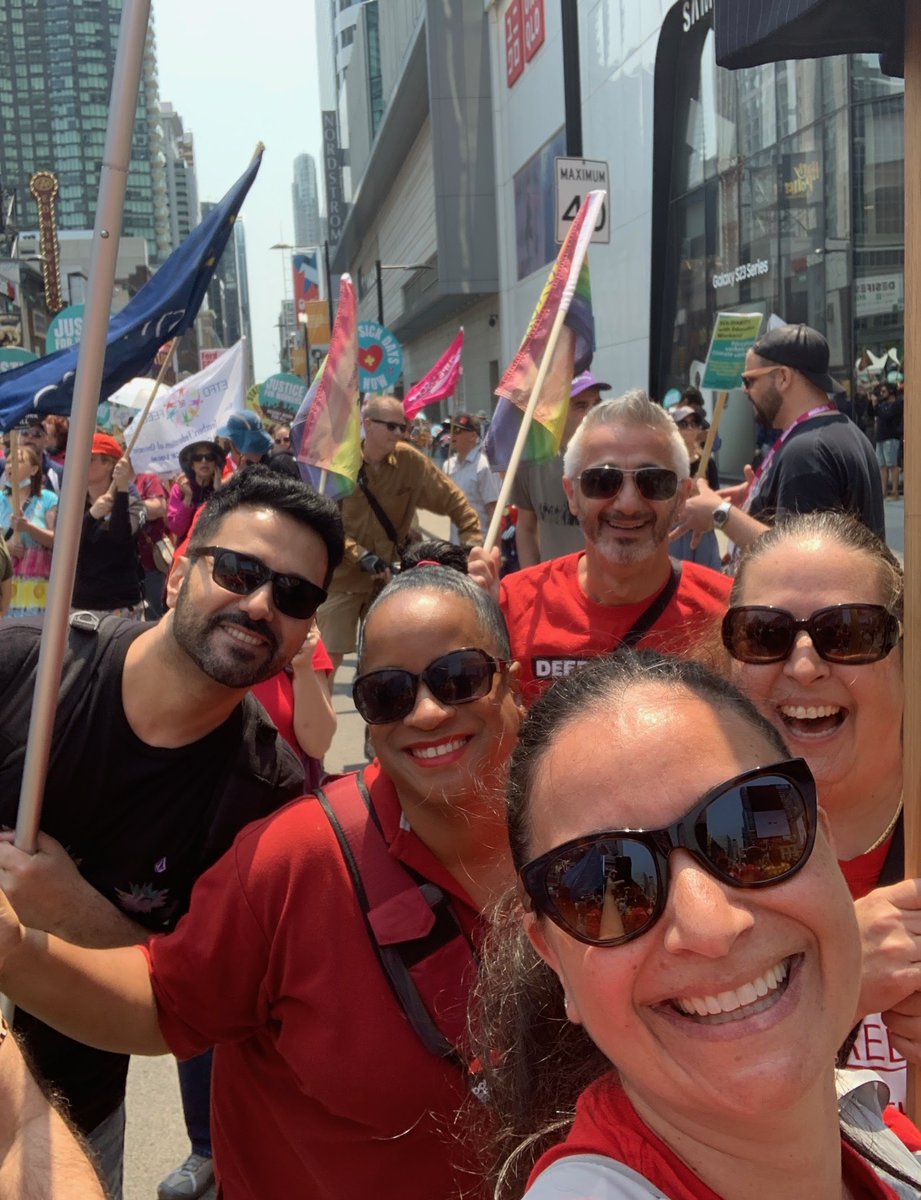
(546, 527)
(40, 1156)
(57, 429)
(813, 631)
(888, 409)
(394, 481)
(469, 467)
(202, 465)
(32, 433)
(626, 476)
(691, 547)
(821, 459)
(681, 919)
(155, 499)
(29, 537)
(172, 755)
(250, 443)
(281, 436)
(324, 1086)
(107, 578)
(434, 550)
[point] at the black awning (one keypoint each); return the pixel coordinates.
(751, 32)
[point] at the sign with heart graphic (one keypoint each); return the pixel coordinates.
(380, 357)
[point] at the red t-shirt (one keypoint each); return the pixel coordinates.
(555, 627)
(607, 1123)
(321, 1088)
(276, 695)
(873, 1049)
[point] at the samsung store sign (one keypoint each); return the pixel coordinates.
(693, 10)
(749, 270)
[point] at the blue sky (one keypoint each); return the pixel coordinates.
(238, 74)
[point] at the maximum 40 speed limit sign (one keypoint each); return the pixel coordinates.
(575, 178)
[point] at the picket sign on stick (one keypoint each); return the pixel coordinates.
(145, 411)
(518, 449)
(707, 451)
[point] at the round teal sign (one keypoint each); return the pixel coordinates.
(12, 357)
(380, 357)
(65, 328)
(280, 396)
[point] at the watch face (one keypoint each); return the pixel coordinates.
(720, 516)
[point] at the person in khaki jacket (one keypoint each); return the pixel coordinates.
(401, 480)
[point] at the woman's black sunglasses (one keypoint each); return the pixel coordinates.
(608, 888)
(456, 678)
(652, 483)
(243, 574)
(855, 634)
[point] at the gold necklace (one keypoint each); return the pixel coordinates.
(887, 831)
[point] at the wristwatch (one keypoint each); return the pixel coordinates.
(721, 514)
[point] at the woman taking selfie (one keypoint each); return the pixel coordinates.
(814, 636)
(692, 932)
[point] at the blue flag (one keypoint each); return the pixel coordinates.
(164, 308)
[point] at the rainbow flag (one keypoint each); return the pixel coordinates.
(568, 290)
(326, 433)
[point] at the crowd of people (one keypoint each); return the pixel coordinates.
(618, 907)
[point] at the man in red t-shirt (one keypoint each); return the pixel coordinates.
(626, 474)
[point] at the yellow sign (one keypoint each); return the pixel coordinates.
(318, 323)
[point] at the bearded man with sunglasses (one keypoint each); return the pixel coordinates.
(395, 480)
(822, 461)
(626, 474)
(160, 755)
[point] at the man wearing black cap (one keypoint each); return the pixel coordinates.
(469, 468)
(821, 461)
(32, 433)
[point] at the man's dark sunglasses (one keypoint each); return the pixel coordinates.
(209, 458)
(652, 483)
(456, 678)
(243, 574)
(392, 426)
(855, 634)
(608, 888)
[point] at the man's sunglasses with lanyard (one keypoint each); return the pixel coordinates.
(752, 831)
(456, 678)
(244, 574)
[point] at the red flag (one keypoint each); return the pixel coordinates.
(439, 383)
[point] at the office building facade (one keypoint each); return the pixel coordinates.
(56, 63)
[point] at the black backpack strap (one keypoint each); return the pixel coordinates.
(642, 625)
(423, 951)
(386, 524)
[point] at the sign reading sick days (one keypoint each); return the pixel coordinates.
(733, 335)
(380, 357)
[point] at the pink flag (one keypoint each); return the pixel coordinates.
(439, 383)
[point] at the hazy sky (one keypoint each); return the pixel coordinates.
(239, 73)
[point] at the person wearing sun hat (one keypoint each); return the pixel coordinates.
(251, 442)
(107, 577)
(546, 527)
(202, 463)
(821, 460)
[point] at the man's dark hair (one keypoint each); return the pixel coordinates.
(259, 487)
